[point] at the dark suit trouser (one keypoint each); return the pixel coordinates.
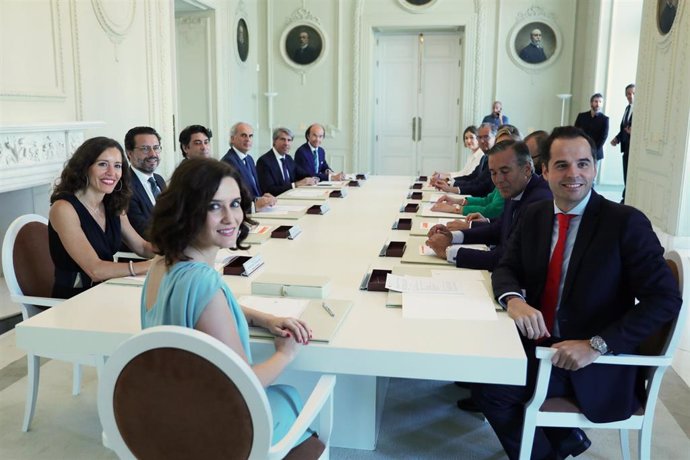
(504, 408)
(625, 171)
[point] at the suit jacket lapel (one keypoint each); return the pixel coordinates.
(585, 233)
(544, 229)
(139, 190)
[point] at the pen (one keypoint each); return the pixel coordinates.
(328, 310)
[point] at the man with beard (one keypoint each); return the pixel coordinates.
(534, 52)
(595, 124)
(143, 147)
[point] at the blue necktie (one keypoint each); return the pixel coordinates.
(255, 189)
(316, 161)
(154, 187)
(286, 174)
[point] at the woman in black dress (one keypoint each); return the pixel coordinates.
(87, 221)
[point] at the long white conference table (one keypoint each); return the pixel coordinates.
(373, 343)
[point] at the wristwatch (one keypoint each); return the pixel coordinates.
(599, 344)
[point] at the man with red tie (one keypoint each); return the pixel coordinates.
(570, 278)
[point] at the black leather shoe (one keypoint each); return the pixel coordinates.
(468, 405)
(575, 444)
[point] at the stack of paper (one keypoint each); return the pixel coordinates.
(281, 209)
(445, 295)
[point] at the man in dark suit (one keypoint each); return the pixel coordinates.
(595, 124)
(623, 136)
(512, 172)
(533, 53)
(305, 53)
(312, 157)
(276, 169)
(143, 148)
(570, 278)
(195, 141)
(241, 140)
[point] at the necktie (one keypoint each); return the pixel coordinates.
(549, 298)
(255, 189)
(286, 174)
(626, 119)
(316, 161)
(154, 187)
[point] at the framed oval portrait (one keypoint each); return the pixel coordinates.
(242, 40)
(534, 43)
(303, 44)
(416, 6)
(666, 14)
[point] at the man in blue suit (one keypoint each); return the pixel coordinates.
(607, 291)
(143, 147)
(241, 140)
(311, 157)
(276, 169)
(513, 174)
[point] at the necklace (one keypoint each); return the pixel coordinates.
(95, 211)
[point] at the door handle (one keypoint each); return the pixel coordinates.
(414, 128)
(419, 128)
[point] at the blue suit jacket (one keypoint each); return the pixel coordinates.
(305, 160)
(140, 207)
(498, 231)
(250, 178)
(616, 259)
(271, 173)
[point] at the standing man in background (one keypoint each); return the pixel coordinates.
(143, 147)
(496, 116)
(595, 124)
(623, 136)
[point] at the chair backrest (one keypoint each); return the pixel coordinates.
(26, 260)
(665, 340)
(177, 393)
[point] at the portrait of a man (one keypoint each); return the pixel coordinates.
(303, 45)
(535, 43)
(242, 40)
(666, 14)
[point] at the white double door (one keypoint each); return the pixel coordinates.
(417, 103)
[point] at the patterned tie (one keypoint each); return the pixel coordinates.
(549, 298)
(154, 187)
(316, 161)
(286, 174)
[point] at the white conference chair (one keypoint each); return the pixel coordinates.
(29, 273)
(177, 393)
(656, 354)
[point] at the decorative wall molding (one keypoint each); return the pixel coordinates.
(76, 63)
(58, 65)
(303, 16)
(32, 155)
(187, 27)
(116, 28)
(478, 56)
(359, 147)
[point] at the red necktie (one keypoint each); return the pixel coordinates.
(549, 298)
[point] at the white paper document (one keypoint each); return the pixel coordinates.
(281, 209)
(426, 224)
(427, 212)
(434, 197)
(408, 283)
(459, 275)
(477, 306)
(304, 192)
(278, 306)
(425, 250)
(330, 183)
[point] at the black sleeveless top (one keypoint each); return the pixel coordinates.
(70, 279)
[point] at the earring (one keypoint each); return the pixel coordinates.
(87, 180)
(118, 189)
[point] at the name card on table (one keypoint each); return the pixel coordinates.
(243, 265)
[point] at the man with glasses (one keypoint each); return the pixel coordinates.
(241, 141)
(143, 147)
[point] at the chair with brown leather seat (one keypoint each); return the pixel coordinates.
(177, 393)
(30, 274)
(655, 355)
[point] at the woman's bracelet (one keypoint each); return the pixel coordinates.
(131, 269)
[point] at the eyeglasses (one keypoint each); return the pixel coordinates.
(148, 148)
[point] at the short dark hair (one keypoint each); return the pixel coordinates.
(491, 126)
(308, 131)
(129, 137)
(595, 96)
(74, 176)
(539, 137)
(565, 132)
(186, 136)
(631, 85)
(520, 148)
(180, 211)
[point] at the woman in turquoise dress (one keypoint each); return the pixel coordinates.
(201, 211)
